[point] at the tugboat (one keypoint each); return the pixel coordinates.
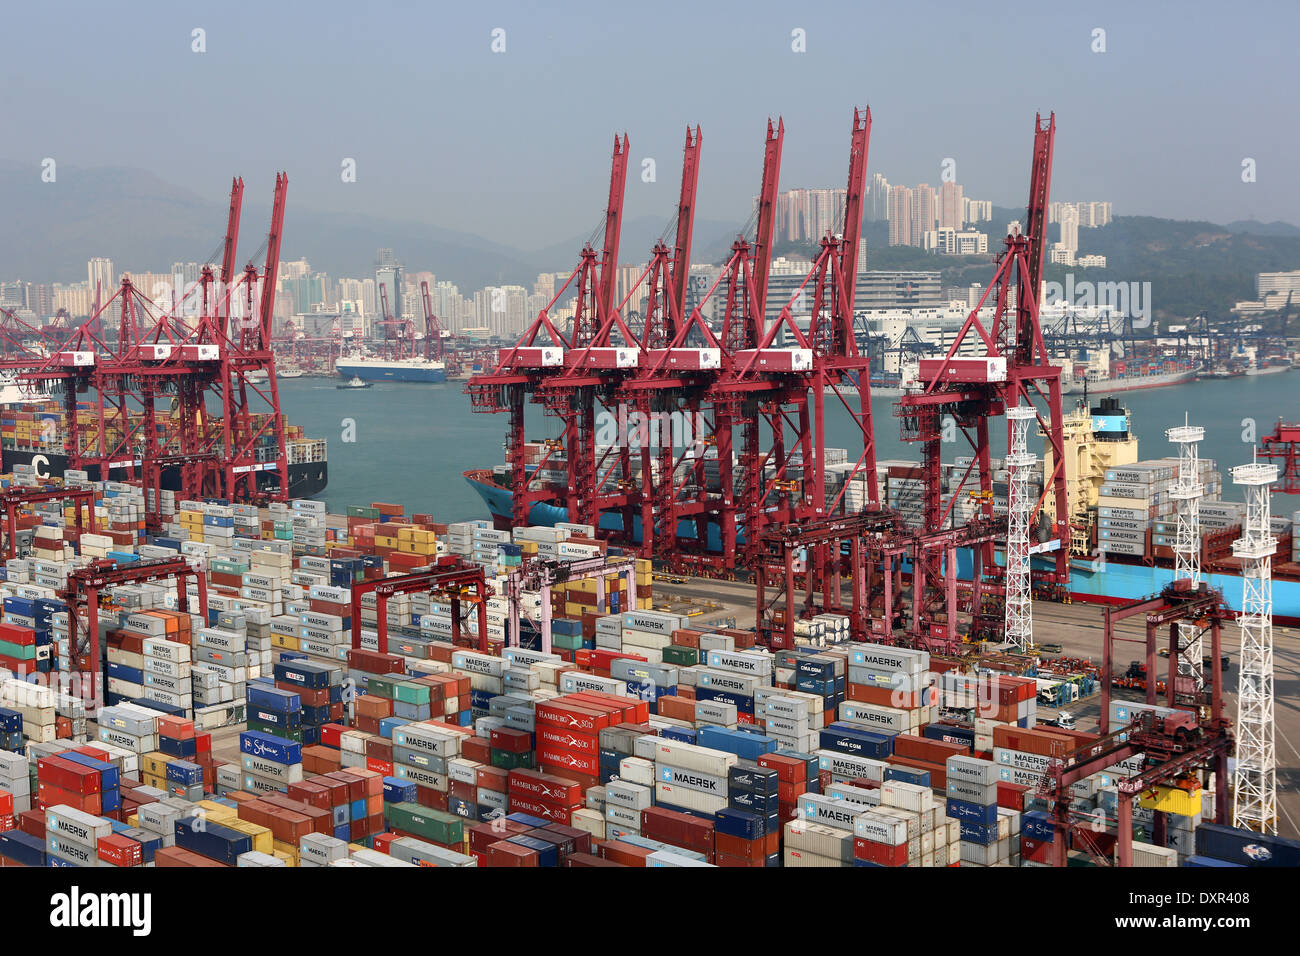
(355, 382)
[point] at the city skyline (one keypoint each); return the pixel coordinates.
(803, 213)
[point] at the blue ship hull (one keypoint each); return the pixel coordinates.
(381, 373)
(1117, 584)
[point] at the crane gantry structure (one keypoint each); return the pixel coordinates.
(754, 397)
(223, 358)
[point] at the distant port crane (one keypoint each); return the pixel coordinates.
(222, 358)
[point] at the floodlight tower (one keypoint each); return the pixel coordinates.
(1187, 491)
(1020, 502)
(1254, 782)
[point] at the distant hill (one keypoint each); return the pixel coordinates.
(1192, 266)
(1254, 226)
(141, 221)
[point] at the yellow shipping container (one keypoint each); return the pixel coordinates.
(154, 762)
(218, 813)
(263, 841)
(1184, 803)
(284, 642)
(385, 542)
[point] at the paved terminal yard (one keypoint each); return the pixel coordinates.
(1078, 629)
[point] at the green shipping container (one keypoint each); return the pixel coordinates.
(682, 656)
(411, 693)
(22, 652)
(276, 729)
(505, 760)
(436, 825)
(568, 642)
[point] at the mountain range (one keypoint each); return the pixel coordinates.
(141, 221)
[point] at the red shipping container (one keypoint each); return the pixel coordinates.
(505, 853)
(557, 758)
(19, 667)
(1040, 742)
(938, 772)
(545, 787)
(521, 804)
(175, 856)
(1036, 851)
(483, 835)
(476, 749)
(331, 735)
(66, 775)
(923, 748)
(580, 840)
(879, 853)
(17, 634)
(119, 850)
(633, 710)
(883, 696)
(461, 790)
(752, 851)
(572, 740)
(624, 853)
(1014, 796)
(510, 740)
(176, 728)
(311, 793)
(571, 715)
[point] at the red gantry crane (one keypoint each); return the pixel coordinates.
(538, 356)
(1282, 447)
(224, 357)
(985, 371)
(433, 334)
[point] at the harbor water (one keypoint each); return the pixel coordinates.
(409, 443)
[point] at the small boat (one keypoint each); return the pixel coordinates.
(355, 382)
(289, 371)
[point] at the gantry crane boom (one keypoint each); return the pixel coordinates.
(432, 329)
(613, 228)
(766, 219)
(681, 264)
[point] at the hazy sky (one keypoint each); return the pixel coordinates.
(515, 146)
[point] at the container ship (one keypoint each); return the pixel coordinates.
(33, 432)
(1115, 557)
(1096, 377)
(1128, 377)
(391, 370)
